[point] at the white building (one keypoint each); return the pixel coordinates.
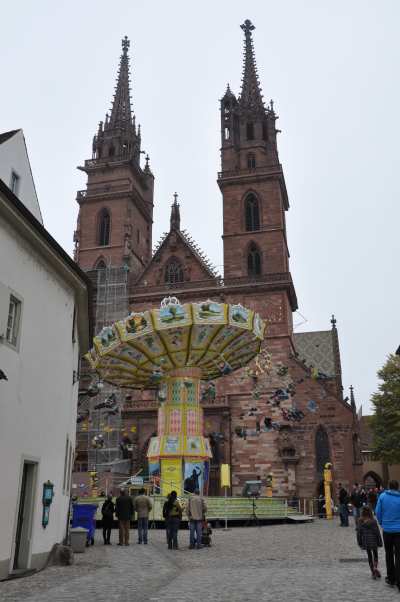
(44, 328)
(15, 170)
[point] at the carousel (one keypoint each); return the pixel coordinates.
(173, 349)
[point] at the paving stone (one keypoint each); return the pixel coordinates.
(282, 563)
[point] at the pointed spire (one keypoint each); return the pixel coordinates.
(352, 399)
(228, 92)
(117, 139)
(121, 113)
(175, 214)
(250, 96)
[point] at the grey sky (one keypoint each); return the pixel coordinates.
(332, 70)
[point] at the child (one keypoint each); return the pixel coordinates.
(369, 538)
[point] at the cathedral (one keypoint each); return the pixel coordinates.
(295, 418)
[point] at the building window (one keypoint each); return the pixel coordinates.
(253, 261)
(321, 450)
(100, 265)
(251, 161)
(174, 272)
(227, 134)
(104, 228)
(250, 131)
(13, 321)
(252, 214)
(264, 131)
(14, 182)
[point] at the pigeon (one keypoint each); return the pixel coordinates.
(2, 375)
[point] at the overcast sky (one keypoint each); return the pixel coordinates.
(332, 69)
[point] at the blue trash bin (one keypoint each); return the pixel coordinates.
(83, 515)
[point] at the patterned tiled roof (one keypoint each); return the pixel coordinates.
(317, 349)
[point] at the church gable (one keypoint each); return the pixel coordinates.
(176, 260)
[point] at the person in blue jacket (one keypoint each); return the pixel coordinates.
(388, 514)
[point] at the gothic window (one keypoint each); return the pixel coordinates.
(252, 213)
(100, 265)
(253, 261)
(173, 271)
(265, 131)
(104, 228)
(322, 455)
(356, 449)
(111, 151)
(251, 161)
(227, 134)
(250, 130)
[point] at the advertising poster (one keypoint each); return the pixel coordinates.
(171, 470)
(194, 476)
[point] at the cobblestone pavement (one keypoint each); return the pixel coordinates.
(316, 562)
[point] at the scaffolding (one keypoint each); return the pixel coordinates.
(100, 433)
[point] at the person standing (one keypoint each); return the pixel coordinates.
(196, 512)
(142, 506)
(388, 514)
(369, 539)
(343, 509)
(172, 513)
(356, 501)
(124, 511)
(107, 512)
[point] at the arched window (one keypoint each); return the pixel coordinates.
(251, 161)
(173, 271)
(104, 228)
(321, 450)
(250, 131)
(252, 213)
(101, 265)
(253, 261)
(111, 151)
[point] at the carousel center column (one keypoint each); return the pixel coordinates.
(180, 452)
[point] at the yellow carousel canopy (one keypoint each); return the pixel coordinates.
(140, 350)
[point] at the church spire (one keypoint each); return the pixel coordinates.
(117, 139)
(175, 220)
(250, 96)
(121, 115)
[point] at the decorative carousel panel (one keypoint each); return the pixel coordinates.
(259, 326)
(171, 445)
(210, 312)
(154, 447)
(136, 324)
(240, 316)
(107, 340)
(172, 315)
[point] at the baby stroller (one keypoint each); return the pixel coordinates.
(206, 534)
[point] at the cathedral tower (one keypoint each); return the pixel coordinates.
(252, 182)
(116, 209)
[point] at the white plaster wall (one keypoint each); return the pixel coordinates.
(14, 156)
(38, 402)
